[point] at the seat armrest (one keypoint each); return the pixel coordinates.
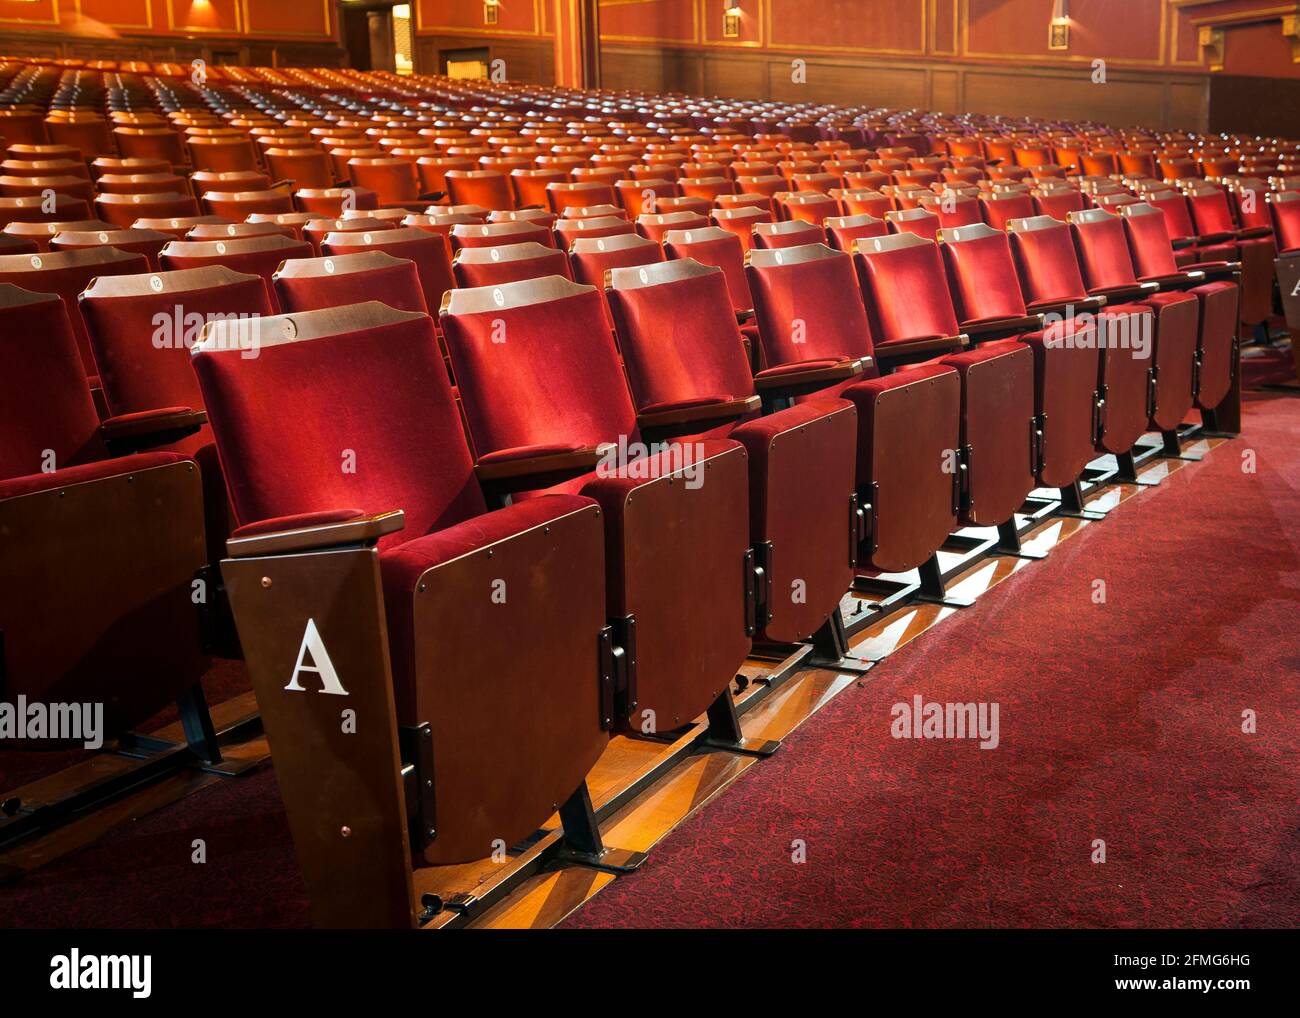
(743, 317)
(698, 413)
(980, 331)
(1221, 237)
(129, 433)
(1255, 232)
(800, 381)
(1119, 294)
(1216, 270)
(1183, 242)
(1089, 304)
(524, 473)
(1178, 280)
(905, 351)
(314, 536)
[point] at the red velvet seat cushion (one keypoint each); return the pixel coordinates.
(521, 452)
(32, 483)
(796, 366)
(297, 522)
(684, 404)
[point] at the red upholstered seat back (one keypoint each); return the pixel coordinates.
(145, 242)
(920, 222)
(498, 234)
(1178, 217)
(1286, 219)
(1148, 241)
(429, 252)
(981, 273)
(392, 180)
(807, 305)
(1058, 202)
(257, 255)
(536, 365)
(45, 404)
(710, 245)
(842, 231)
(953, 210)
(124, 209)
(488, 188)
(741, 222)
(677, 332)
(142, 328)
(308, 284)
(1000, 209)
(67, 273)
(1046, 261)
(591, 257)
(1103, 249)
(1210, 211)
(568, 230)
(902, 279)
(793, 233)
(493, 266)
(297, 434)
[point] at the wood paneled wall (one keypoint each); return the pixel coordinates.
(988, 56)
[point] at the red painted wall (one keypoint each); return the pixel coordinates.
(106, 19)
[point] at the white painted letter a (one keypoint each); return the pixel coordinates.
(321, 663)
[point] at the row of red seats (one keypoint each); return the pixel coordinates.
(433, 426)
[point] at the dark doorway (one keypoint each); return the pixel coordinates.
(377, 35)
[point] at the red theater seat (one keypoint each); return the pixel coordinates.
(842, 231)
(429, 252)
(146, 242)
(497, 234)
(67, 273)
(676, 550)
(309, 284)
(260, 256)
(655, 226)
(122, 210)
(501, 761)
(1107, 266)
(1214, 354)
(493, 266)
(32, 210)
(85, 501)
(238, 205)
(1285, 210)
(811, 318)
(989, 303)
(592, 257)
(142, 328)
(690, 381)
(480, 187)
(793, 233)
(568, 230)
(908, 303)
(710, 245)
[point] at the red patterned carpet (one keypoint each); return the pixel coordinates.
(1119, 721)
